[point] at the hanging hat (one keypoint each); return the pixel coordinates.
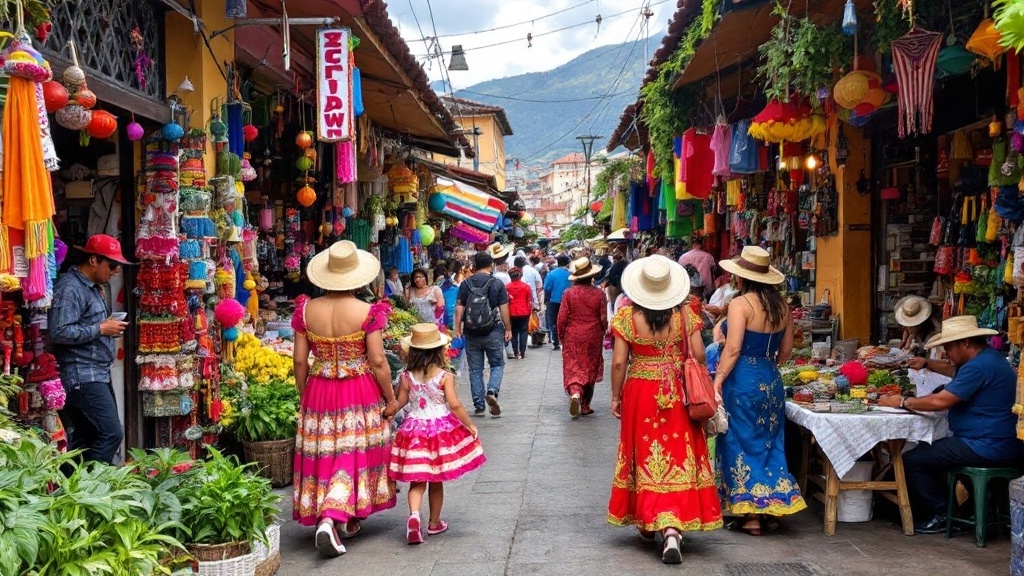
(655, 283)
(958, 328)
(342, 267)
(582, 268)
(912, 311)
(424, 337)
(753, 264)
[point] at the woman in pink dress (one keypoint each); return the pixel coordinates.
(582, 323)
(343, 439)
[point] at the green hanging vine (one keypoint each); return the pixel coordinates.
(800, 57)
(890, 23)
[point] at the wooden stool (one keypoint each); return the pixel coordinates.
(980, 478)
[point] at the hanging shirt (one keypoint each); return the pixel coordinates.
(743, 154)
(721, 143)
(698, 163)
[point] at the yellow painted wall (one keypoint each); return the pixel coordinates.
(490, 144)
(844, 263)
(188, 55)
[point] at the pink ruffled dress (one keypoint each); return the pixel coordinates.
(432, 445)
(343, 439)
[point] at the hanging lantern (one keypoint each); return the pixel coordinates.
(250, 132)
(985, 40)
(55, 96)
(85, 98)
(102, 125)
(172, 132)
(954, 60)
(218, 129)
(849, 18)
(303, 164)
(304, 140)
(247, 173)
(427, 234)
(73, 117)
(135, 131)
(306, 196)
(74, 75)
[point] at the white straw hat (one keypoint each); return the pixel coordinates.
(912, 311)
(342, 267)
(424, 337)
(497, 251)
(753, 264)
(958, 328)
(582, 268)
(655, 283)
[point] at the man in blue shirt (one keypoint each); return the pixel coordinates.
(555, 284)
(82, 332)
(981, 420)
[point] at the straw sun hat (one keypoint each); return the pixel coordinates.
(655, 283)
(424, 337)
(752, 264)
(497, 251)
(912, 311)
(342, 267)
(958, 328)
(582, 268)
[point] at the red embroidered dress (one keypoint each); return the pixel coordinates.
(663, 476)
(343, 440)
(582, 320)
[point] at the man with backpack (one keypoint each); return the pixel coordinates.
(482, 317)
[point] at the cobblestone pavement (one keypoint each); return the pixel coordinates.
(539, 507)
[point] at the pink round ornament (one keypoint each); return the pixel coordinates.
(135, 131)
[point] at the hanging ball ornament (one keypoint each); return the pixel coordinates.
(74, 75)
(347, 212)
(426, 234)
(250, 132)
(303, 164)
(85, 98)
(55, 95)
(103, 124)
(306, 196)
(135, 131)
(73, 117)
(172, 132)
(304, 140)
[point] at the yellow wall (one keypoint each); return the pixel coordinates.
(490, 144)
(844, 263)
(187, 55)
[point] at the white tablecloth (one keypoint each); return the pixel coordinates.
(846, 437)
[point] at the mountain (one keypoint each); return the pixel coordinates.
(548, 110)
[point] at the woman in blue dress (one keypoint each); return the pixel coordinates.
(751, 456)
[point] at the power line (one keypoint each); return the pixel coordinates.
(565, 101)
(530, 21)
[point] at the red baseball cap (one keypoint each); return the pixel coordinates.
(106, 246)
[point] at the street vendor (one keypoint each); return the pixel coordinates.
(921, 321)
(981, 423)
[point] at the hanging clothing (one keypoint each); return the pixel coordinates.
(914, 57)
(721, 145)
(743, 151)
(105, 212)
(698, 163)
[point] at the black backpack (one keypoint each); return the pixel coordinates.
(480, 317)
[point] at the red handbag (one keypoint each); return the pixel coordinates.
(697, 386)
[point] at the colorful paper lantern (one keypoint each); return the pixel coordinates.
(102, 125)
(172, 132)
(85, 98)
(304, 140)
(135, 131)
(954, 60)
(985, 40)
(250, 132)
(55, 96)
(303, 164)
(306, 196)
(426, 234)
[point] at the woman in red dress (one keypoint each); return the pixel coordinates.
(520, 306)
(582, 323)
(664, 481)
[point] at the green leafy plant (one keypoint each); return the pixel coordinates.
(800, 57)
(225, 501)
(880, 378)
(890, 23)
(267, 412)
(1009, 18)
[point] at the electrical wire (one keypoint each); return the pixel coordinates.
(524, 22)
(563, 101)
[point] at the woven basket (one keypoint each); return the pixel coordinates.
(240, 566)
(275, 459)
(261, 550)
(269, 566)
(218, 552)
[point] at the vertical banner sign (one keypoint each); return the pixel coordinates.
(334, 85)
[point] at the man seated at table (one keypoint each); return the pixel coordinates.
(981, 423)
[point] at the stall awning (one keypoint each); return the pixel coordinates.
(466, 203)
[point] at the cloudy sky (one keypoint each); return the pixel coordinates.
(472, 24)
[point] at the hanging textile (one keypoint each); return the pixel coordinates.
(345, 153)
(721, 145)
(236, 139)
(914, 57)
(619, 210)
(698, 163)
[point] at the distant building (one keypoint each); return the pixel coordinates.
(485, 127)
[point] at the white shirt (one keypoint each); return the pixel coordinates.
(722, 296)
(503, 276)
(532, 279)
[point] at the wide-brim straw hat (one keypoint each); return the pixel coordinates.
(424, 337)
(656, 283)
(582, 268)
(753, 264)
(912, 311)
(497, 251)
(619, 234)
(958, 328)
(342, 267)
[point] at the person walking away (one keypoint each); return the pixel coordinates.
(756, 481)
(482, 315)
(702, 261)
(582, 323)
(555, 285)
(82, 332)
(426, 299)
(436, 442)
(981, 421)
(532, 279)
(663, 479)
(520, 306)
(343, 440)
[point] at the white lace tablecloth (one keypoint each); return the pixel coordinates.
(846, 437)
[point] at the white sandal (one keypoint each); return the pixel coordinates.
(327, 543)
(672, 552)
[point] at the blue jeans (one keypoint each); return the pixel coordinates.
(552, 315)
(90, 415)
(493, 345)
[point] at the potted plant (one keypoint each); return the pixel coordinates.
(265, 423)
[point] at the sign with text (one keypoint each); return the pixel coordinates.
(334, 85)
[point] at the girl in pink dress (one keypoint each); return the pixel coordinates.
(436, 442)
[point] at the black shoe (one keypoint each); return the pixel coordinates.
(937, 525)
(479, 411)
(556, 347)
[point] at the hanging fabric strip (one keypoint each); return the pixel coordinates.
(914, 58)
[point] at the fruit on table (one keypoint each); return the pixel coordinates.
(809, 375)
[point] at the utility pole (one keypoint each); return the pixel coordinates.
(588, 152)
(476, 148)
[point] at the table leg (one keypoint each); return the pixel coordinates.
(895, 448)
(831, 497)
(805, 456)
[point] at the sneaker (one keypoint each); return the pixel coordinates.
(479, 411)
(556, 347)
(492, 402)
(574, 406)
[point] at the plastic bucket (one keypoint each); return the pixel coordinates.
(855, 505)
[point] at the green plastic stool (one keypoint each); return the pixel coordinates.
(980, 478)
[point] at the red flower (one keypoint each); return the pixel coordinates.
(181, 468)
(423, 402)
(152, 473)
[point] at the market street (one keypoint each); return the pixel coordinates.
(539, 504)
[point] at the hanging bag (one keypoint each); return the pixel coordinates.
(697, 385)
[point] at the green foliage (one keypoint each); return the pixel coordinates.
(667, 112)
(800, 57)
(616, 173)
(890, 23)
(1009, 18)
(879, 378)
(227, 502)
(270, 412)
(578, 231)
